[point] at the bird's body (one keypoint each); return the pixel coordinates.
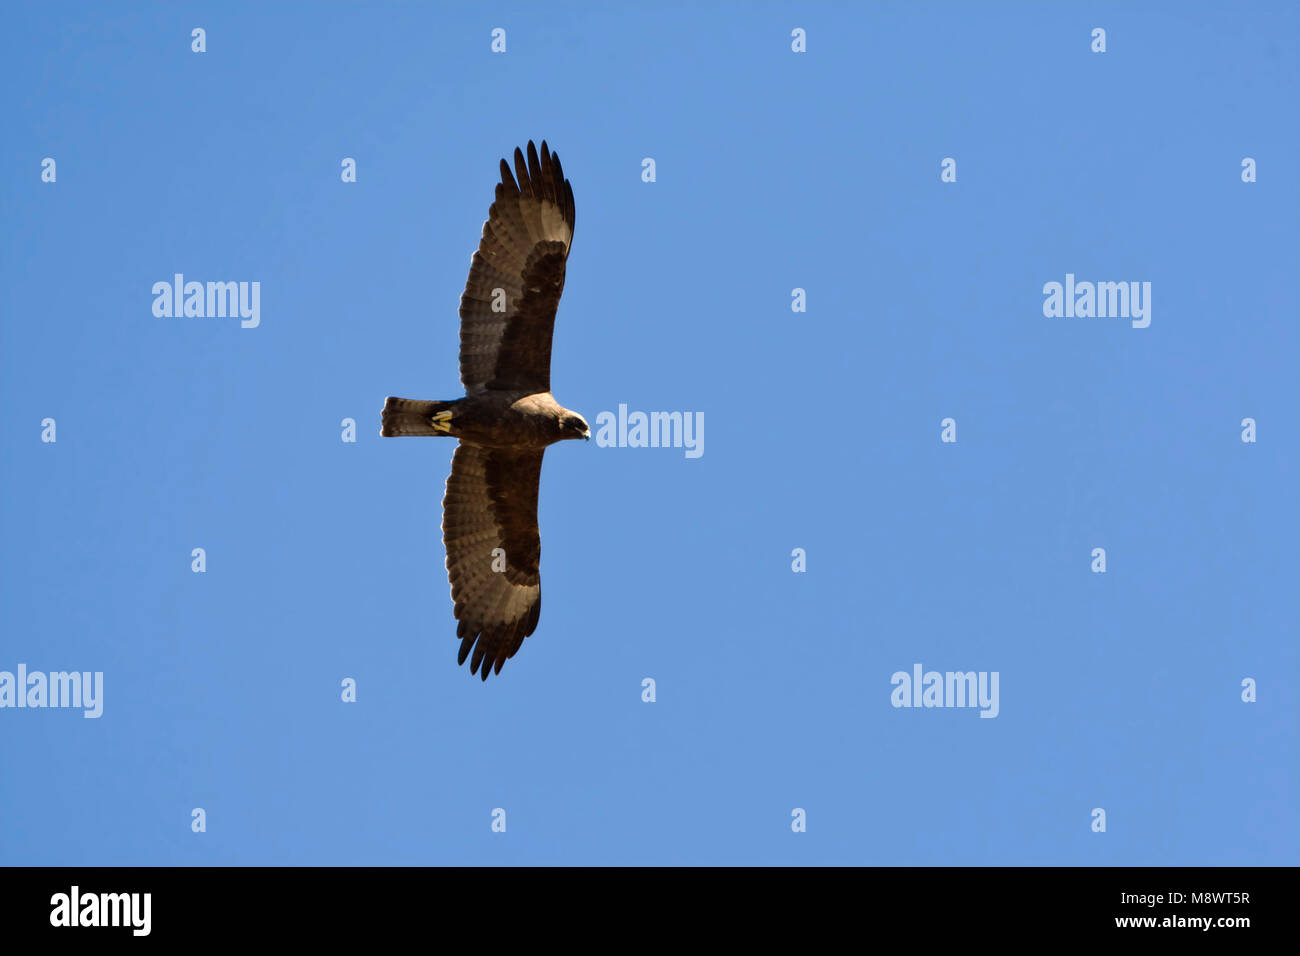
(508, 416)
(494, 418)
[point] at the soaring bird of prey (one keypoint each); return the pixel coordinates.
(507, 417)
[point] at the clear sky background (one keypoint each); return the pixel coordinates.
(775, 171)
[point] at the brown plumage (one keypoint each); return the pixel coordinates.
(507, 417)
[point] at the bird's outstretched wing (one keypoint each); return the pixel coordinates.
(507, 311)
(491, 504)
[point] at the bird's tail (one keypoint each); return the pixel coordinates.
(405, 416)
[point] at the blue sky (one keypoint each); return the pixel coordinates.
(775, 170)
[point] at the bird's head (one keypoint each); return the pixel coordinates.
(573, 425)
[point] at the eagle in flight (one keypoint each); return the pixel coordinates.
(507, 417)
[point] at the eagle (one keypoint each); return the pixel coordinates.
(508, 417)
